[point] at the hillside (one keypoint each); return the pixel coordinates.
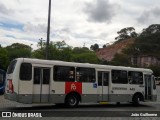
(109, 52)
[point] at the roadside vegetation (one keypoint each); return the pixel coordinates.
(146, 43)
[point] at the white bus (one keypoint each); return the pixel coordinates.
(49, 81)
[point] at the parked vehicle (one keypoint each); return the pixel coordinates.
(2, 81)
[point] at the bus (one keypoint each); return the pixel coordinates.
(2, 81)
(49, 81)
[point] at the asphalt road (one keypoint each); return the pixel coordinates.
(110, 111)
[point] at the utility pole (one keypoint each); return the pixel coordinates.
(48, 29)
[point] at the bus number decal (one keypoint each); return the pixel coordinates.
(132, 89)
(73, 86)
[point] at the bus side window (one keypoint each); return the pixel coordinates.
(46, 76)
(37, 75)
(135, 77)
(99, 78)
(25, 71)
(119, 76)
(85, 74)
(64, 73)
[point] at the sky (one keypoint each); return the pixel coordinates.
(78, 22)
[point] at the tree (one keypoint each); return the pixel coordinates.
(94, 47)
(149, 40)
(156, 70)
(152, 29)
(66, 54)
(60, 44)
(79, 50)
(41, 43)
(4, 60)
(126, 33)
(17, 50)
(88, 57)
(104, 46)
(121, 60)
(39, 53)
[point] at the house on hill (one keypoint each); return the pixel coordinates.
(145, 60)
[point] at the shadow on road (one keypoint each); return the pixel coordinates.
(88, 106)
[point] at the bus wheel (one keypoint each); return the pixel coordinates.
(118, 103)
(72, 100)
(136, 100)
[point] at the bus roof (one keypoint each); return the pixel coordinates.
(97, 66)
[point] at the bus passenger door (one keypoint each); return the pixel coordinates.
(41, 85)
(103, 80)
(148, 87)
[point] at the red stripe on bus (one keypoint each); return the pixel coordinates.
(73, 87)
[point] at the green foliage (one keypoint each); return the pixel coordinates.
(60, 44)
(79, 50)
(126, 33)
(4, 60)
(152, 29)
(148, 43)
(39, 53)
(61, 51)
(84, 55)
(104, 46)
(121, 60)
(88, 57)
(17, 50)
(41, 43)
(156, 70)
(94, 47)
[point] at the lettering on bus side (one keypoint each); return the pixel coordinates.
(133, 89)
(119, 88)
(73, 87)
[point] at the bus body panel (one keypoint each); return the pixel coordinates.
(119, 93)
(14, 79)
(57, 92)
(89, 92)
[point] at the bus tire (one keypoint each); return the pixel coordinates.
(72, 100)
(118, 103)
(136, 99)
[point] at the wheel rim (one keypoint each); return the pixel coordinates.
(138, 100)
(72, 101)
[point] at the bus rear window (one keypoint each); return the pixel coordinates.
(11, 67)
(26, 71)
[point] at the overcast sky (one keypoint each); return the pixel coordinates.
(78, 22)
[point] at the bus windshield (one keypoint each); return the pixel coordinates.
(11, 67)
